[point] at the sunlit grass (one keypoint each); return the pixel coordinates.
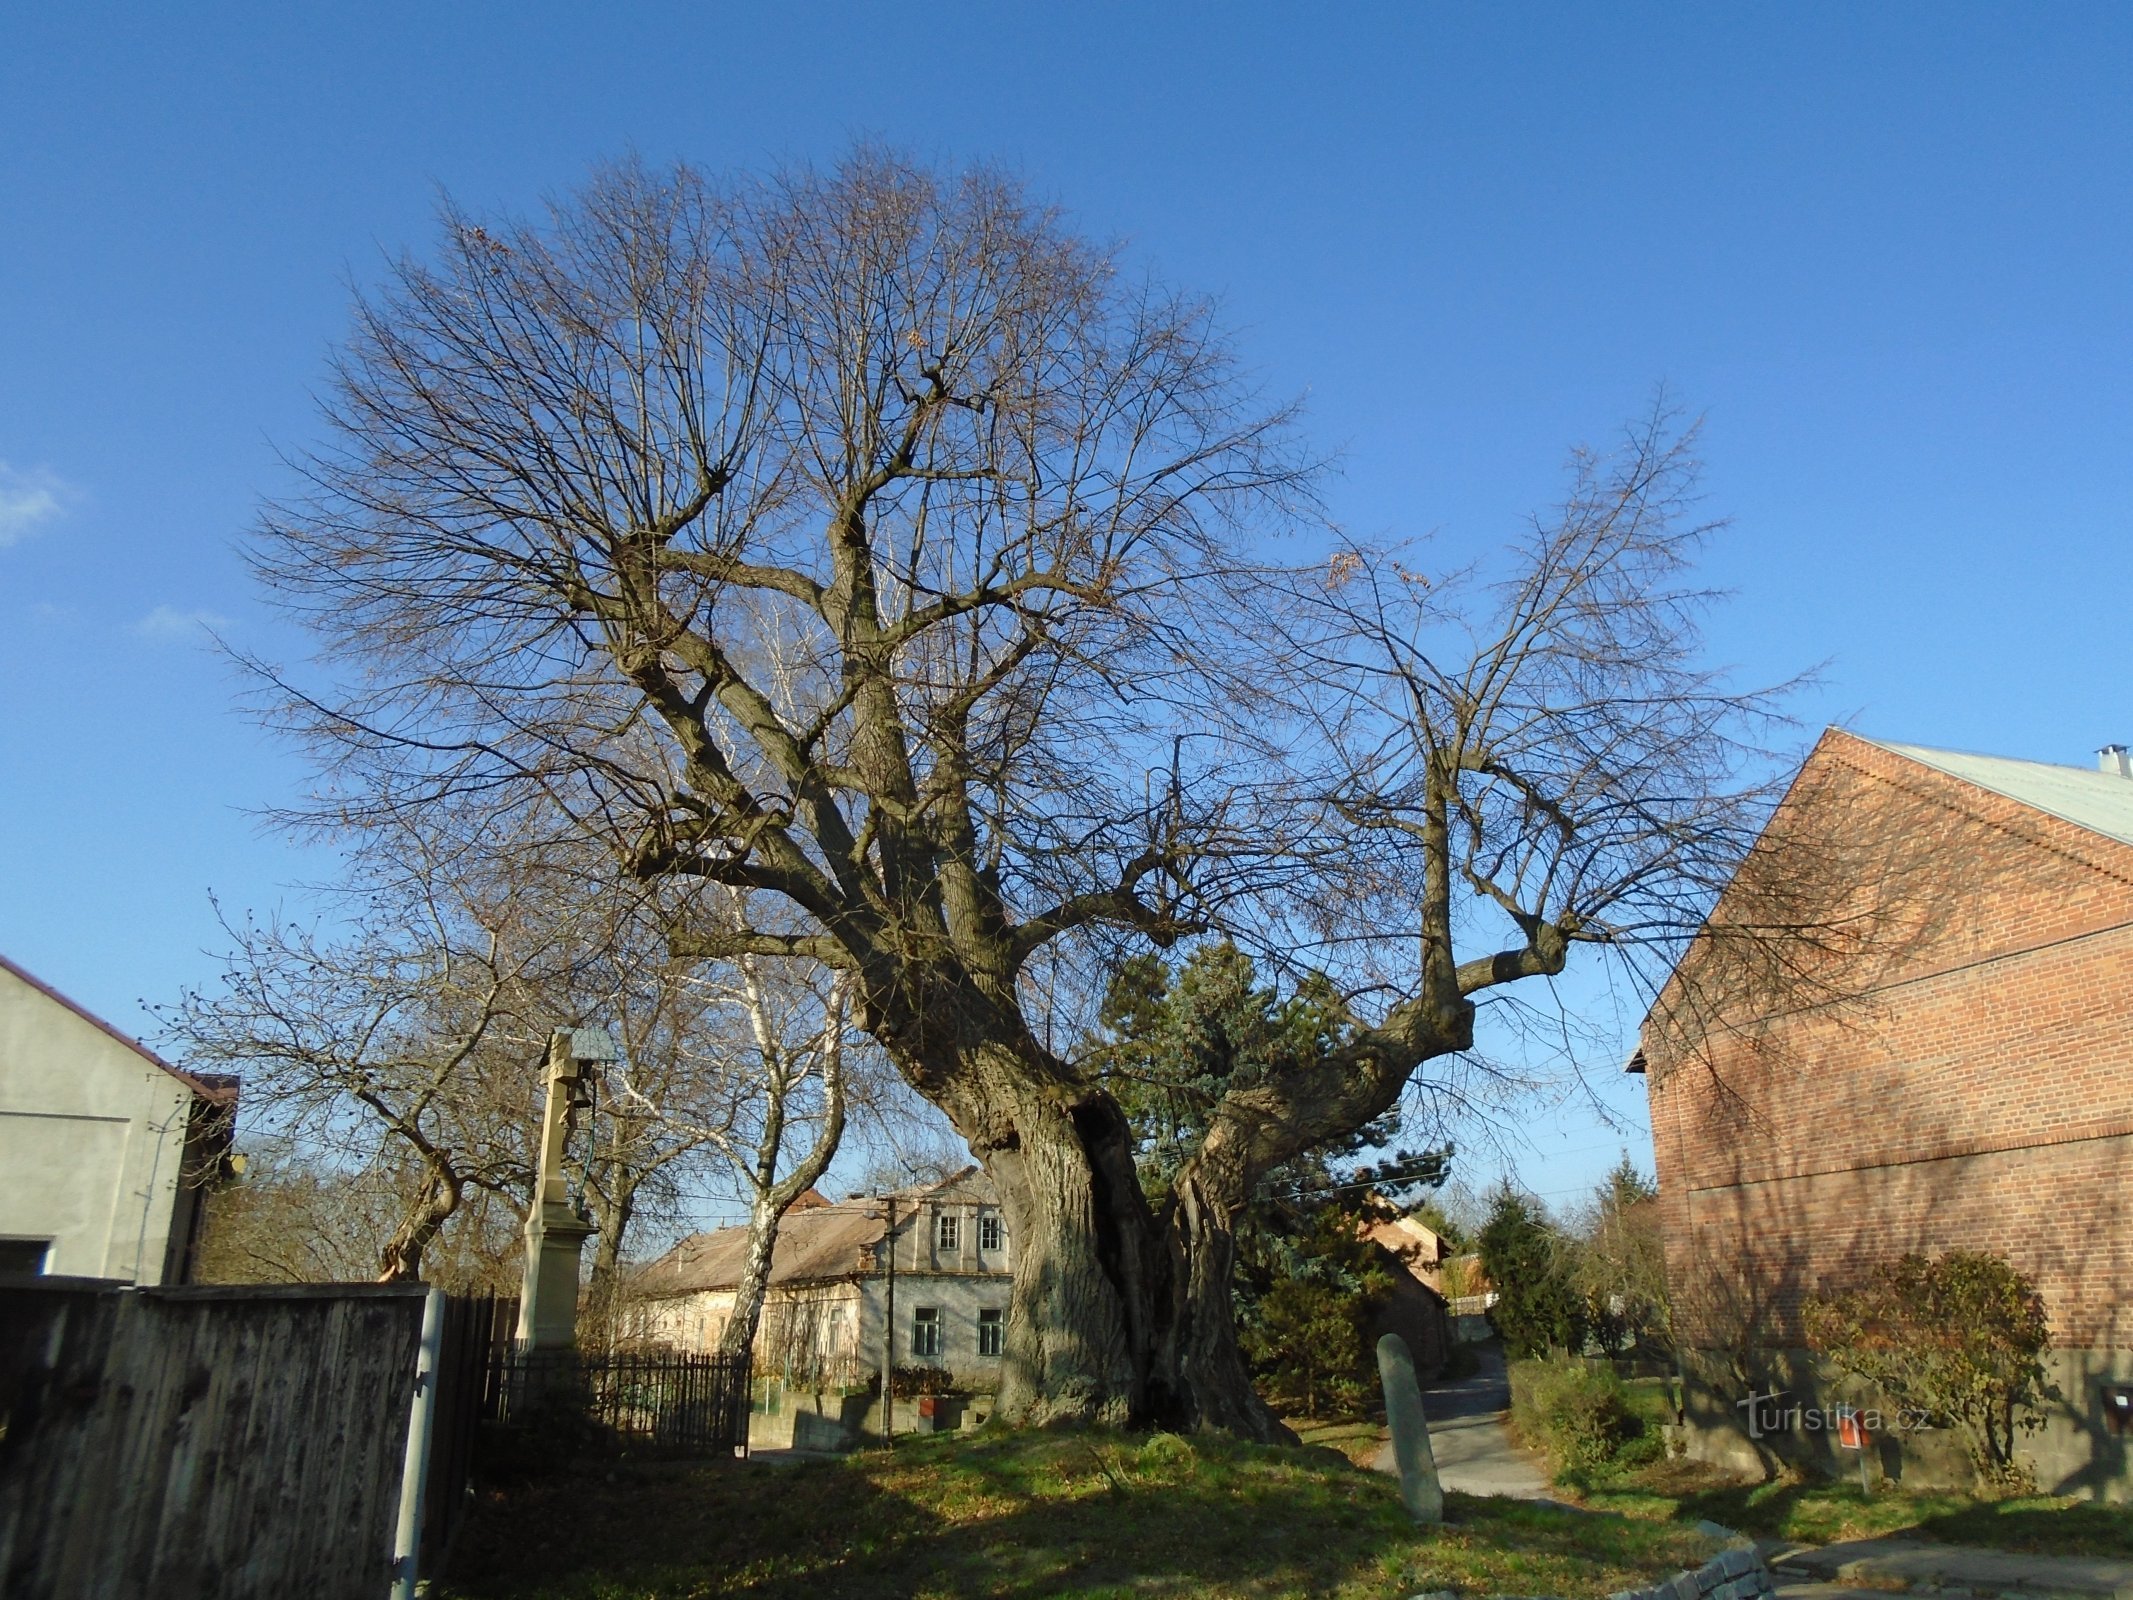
(1821, 1513)
(1052, 1514)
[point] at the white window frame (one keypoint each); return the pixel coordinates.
(992, 1321)
(948, 1233)
(992, 1237)
(925, 1330)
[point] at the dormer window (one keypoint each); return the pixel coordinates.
(948, 1231)
(989, 1238)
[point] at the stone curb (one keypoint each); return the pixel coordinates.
(1738, 1574)
(1900, 1566)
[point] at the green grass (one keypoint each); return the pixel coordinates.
(1651, 1400)
(1035, 1514)
(1359, 1441)
(1821, 1513)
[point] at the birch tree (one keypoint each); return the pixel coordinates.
(777, 1108)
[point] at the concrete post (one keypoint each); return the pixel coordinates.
(1419, 1490)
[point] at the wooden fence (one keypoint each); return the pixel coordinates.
(197, 1442)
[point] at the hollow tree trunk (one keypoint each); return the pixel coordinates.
(1118, 1315)
(1088, 1270)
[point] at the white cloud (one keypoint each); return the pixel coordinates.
(169, 625)
(28, 497)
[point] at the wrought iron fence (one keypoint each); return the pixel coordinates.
(670, 1399)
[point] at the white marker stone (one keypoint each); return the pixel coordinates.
(1419, 1490)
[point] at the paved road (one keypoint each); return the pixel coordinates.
(1896, 1564)
(1467, 1434)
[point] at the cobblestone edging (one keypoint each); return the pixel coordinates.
(1737, 1575)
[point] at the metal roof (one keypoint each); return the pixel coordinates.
(2101, 802)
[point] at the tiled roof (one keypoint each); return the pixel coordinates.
(817, 1242)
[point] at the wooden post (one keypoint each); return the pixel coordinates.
(888, 1324)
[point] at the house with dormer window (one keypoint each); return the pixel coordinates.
(918, 1276)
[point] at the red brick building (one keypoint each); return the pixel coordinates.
(1959, 1075)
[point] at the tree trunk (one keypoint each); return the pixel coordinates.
(774, 1196)
(737, 1339)
(1203, 1224)
(601, 1320)
(1089, 1273)
(1118, 1315)
(400, 1261)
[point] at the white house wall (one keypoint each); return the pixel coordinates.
(959, 1297)
(686, 1321)
(92, 1140)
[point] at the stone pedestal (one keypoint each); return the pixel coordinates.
(555, 1230)
(548, 1305)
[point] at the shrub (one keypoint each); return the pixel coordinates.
(1960, 1336)
(1303, 1332)
(1307, 1348)
(1578, 1416)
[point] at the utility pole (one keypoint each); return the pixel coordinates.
(888, 1325)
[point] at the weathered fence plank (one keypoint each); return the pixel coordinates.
(225, 1442)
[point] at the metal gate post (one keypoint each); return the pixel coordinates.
(415, 1474)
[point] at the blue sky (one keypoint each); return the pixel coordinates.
(1885, 249)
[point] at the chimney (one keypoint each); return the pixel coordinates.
(2115, 759)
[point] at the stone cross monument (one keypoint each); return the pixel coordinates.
(556, 1224)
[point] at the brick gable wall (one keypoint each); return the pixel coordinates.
(1976, 1093)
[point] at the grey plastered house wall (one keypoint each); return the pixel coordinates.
(102, 1142)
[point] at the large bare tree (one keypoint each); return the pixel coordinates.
(865, 541)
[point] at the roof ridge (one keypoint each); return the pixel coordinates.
(1914, 755)
(216, 1086)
